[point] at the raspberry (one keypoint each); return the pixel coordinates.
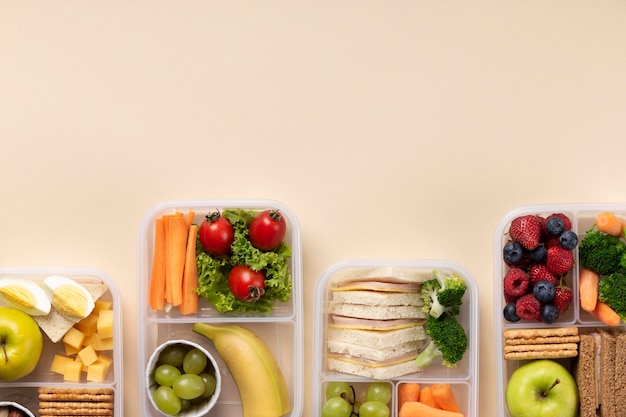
(563, 298)
(539, 272)
(559, 260)
(528, 308)
(516, 282)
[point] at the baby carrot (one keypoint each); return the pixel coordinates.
(609, 223)
(408, 391)
(426, 397)
(588, 288)
(606, 314)
(177, 245)
(419, 409)
(444, 397)
(189, 304)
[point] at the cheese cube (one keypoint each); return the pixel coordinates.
(58, 363)
(97, 372)
(88, 324)
(74, 338)
(102, 304)
(104, 343)
(72, 371)
(70, 350)
(88, 355)
(104, 359)
(105, 323)
(83, 367)
(91, 340)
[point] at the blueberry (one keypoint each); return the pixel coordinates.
(544, 291)
(510, 313)
(549, 313)
(568, 240)
(513, 252)
(555, 226)
(539, 254)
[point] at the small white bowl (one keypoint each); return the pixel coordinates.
(18, 406)
(199, 409)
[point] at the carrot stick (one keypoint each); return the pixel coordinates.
(426, 396)
(419, 409)
(166, 233)
(157, 280)
(189, 304)
(189, 218)
(177, 247)
(588, 288)
(606, 314)
(608, 222)
(444, 397)
(408, 391)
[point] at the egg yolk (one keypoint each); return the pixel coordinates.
(19, 295)
(70, 301)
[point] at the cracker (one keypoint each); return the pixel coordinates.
(71, 390)
(541, 348)
(544, 332)
(76, 404)
(76, 411)
(551, 354)
(542, 340)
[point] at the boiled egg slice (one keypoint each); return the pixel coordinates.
(25, 295)
(70, 298)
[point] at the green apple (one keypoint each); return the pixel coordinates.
(21, 343)
(542, 388)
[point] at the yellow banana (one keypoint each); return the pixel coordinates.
(259, 379)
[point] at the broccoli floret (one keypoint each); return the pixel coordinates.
(443, 294)
(612, 291)
(602, 252)
(447, 339)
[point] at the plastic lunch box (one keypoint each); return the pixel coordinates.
(464, 378)
(24, 390)
(582, 217)
(281, 329)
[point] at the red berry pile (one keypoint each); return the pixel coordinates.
(539, 254)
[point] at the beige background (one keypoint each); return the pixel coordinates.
(393, 129)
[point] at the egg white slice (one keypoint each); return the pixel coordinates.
(25, 295)
(56, 284)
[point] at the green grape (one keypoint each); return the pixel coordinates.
(194, 362)
(378, 391)
(373, 409)
(166, 374)
(173, 355)
(336, 407)
(189, 386)
(185, 404)
(336, 389)
(210, 383)
(166, 400)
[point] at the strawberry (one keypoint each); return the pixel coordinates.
(563, 298)
(526, 230)
(559, 260)
(539, 272)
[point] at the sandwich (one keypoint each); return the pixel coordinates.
(601, 373)
(376, 326)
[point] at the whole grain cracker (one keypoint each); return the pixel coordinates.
(542, 340)
(543, 332)
(552, 354)
(541, 348)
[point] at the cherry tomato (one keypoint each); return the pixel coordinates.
(246, 284)
(216, 234)
(267, 230)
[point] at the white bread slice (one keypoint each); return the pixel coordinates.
(382, 274)
(377, 298)
(380, 339)
(372, 353)
(377, 313)
(373, 371)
